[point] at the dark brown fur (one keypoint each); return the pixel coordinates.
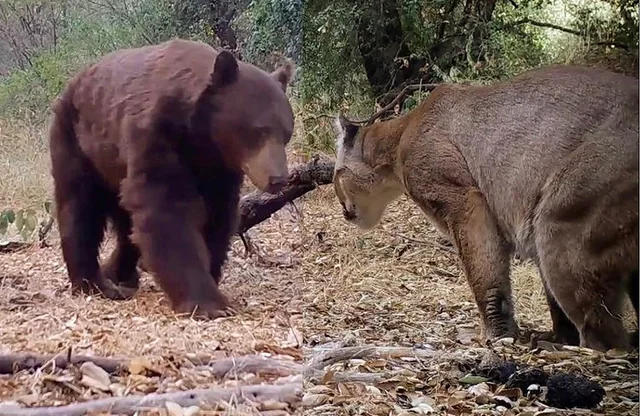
(544, 165)
(157, 139)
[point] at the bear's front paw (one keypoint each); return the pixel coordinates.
(217, 307)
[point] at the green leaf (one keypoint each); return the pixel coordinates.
(47, 207)
(19, 222)
(473, 380)
(4, 224)
(10, 215)
(31, 222)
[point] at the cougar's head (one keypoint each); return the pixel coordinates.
(363, 187)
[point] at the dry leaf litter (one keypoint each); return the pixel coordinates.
(398, 288)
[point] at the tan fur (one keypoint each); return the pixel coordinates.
(544, 165)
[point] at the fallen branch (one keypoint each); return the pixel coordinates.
(128, 405)
(13, 363)
(332, 356)
(314, 370)
(13, 246)
(255, 364)
(257, 207)
(324, 377)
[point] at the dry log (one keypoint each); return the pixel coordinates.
(332, 356)
(255, 364)
(128, 405)
(315, 365)
(13, 363)
(257, 206)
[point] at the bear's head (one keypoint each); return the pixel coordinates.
(251, 109)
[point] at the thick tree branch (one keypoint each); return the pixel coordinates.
(13, 363)
(259, 206)
(128, 405)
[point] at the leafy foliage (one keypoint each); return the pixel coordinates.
(276, 27)
(23, 222)
(349, 53)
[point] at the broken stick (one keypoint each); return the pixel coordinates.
(257, 206)
(128, 405)
(229, 366)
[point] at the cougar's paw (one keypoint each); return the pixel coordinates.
(501, 330)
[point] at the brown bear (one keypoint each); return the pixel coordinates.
(157, 140)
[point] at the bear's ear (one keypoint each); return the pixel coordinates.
(284, 73)
(225, 69)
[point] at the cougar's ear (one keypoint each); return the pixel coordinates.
(347, 131)
(225, 69)
(284, 73)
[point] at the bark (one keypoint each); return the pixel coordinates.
(129, 405)
(13, 363)
(257, 207)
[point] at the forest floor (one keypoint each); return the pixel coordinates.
(384, 320)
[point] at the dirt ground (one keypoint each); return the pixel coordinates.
(389, 307)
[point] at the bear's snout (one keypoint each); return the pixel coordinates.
(276, 183)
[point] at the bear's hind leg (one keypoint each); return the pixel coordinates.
(121, 267)
(81, 204)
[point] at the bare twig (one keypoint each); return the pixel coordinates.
(332, 356)
(13, 363)
(401, 95)
(565, 30)
(128, 405)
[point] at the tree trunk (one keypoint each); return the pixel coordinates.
(387, 58)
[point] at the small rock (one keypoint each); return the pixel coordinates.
(567, 391)
(94, 376)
